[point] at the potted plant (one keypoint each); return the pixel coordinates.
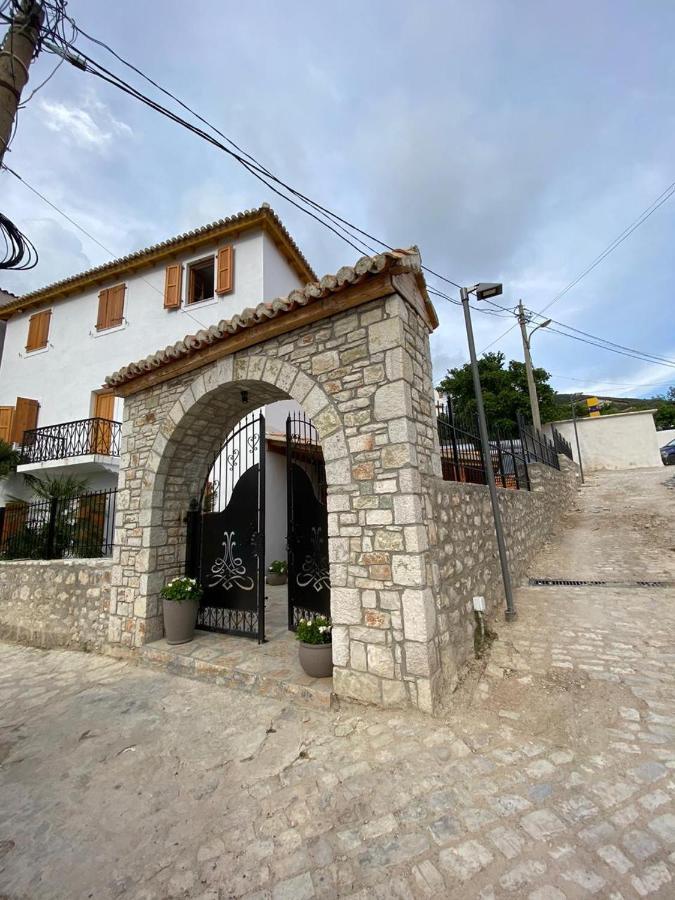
(180, 599)
(277, 572)
(316, 649)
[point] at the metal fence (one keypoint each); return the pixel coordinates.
(462, 456)
(561, 444)
(80, 438)
(59, 529)
(536, 446)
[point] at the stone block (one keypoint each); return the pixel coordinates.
(419, 614)
(346, 605)
(392, 401)
(385, 334)
(388, 540)
(380, 660)
(340, 636)
(357, 656)
(407, 509)
(394, 456)
(357, 685)
(409, 570)
(325, 362)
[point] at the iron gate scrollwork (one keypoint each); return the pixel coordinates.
(307, 518)
(226, 536)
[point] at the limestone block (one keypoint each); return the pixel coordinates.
(380, 660)
(346, 605)
(398, 364)
(407, 509)
(392, 401)
(340, 635)
(385, 334)
(418, 614)
(409, 569)
(357, 657)
(357, 685)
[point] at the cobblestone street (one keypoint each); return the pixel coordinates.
(552, 774)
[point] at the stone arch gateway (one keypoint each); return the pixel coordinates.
(353, 351)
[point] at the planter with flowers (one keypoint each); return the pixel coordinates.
(277, 572)
(180, 599)
(316, 649)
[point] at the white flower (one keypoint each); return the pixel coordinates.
(322, 628)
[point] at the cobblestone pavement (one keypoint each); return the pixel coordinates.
(553, 776)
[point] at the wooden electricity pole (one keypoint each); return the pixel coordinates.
(16, 54)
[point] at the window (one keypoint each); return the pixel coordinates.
(38, 330)
(202, 280)
(111, 307)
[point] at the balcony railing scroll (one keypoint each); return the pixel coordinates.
(83, 437)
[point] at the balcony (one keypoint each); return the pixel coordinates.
(90, 445)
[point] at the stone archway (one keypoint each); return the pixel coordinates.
(353, 351)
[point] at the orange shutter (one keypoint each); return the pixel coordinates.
(116, 305)
(172, 286)
(101, 434)
(38, 330)
(102, 317)
(25, 418)
(225, 270)
(6, 414)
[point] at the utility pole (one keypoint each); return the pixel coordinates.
(576, 436)
(484, 291)
(531, 386)
(18, 49)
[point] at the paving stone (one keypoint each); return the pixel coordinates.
(507, 841)
(615, 858)
(664, 827)
(589, 881)
(522, 875)
(651, 879)
(542, 824)
(639, 844)
(465, 860)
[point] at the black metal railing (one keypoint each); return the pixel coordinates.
(81, 438)
(561, 444)
(536, 446)
(462, 457)
(59, 529)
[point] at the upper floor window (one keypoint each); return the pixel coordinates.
(201, 281)
(111, 307)
(38, 330)
(206, 278)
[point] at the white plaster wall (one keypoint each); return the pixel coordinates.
(78, 358)
(619, 441)
(664, 436)
(279, 278)
(275, 507)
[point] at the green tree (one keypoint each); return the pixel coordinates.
(9, 459)
(665, 409)
(504, 391)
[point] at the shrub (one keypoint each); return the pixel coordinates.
(278, 567)
(181, 589)
(314, 631)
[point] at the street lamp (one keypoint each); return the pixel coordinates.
(483, 291)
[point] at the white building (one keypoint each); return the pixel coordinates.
(62, 340)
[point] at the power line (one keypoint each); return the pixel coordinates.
(615, 383)
(612, 343)
(340, 226)
(90, 236)
(641, 219)
(549, 330)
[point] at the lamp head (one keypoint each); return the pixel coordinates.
(486, 289)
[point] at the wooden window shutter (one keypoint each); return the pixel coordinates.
(6, 415)
(38, 330)
(172, 286)
(102, 317)
(225, 270)
(25, 418)
(116, 305)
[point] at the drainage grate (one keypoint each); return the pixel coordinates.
(568, 582)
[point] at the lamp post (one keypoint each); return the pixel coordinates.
(531, 386)
(483, 291)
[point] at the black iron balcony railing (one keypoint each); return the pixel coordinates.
(81, 438)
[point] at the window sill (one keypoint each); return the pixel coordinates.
(97, 334)
(36, 352)
(199, 304)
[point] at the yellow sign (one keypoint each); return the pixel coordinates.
(593, 405)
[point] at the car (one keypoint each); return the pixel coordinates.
(668, 453)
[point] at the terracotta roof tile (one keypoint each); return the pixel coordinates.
(404, 260)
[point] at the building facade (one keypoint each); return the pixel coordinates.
(62, 340)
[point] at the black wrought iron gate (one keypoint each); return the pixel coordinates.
(307, 515)
(226, 536)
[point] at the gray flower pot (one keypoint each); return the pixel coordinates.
(316, 659)
(276, 578)
(180, 619)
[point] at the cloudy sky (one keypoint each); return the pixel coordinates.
(511, 140)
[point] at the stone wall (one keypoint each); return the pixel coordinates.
(462, 527)
(55, 603)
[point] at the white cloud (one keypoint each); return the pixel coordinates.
(91, 125)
